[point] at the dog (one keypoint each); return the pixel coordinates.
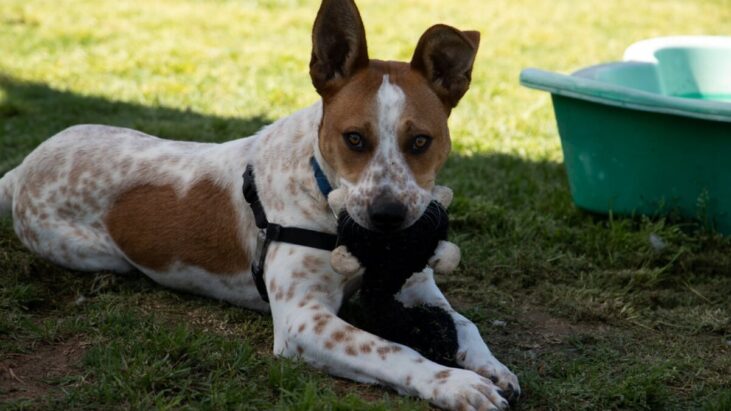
(105, 198)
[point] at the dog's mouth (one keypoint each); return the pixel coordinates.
(433, 217)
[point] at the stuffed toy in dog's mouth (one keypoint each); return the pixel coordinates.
(394, 255)
(388, 260)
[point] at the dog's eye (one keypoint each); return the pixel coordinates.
(354, 141)
(420, 144)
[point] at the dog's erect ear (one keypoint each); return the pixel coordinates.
(445, 56)
(339, 47)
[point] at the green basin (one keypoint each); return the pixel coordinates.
(651, 134)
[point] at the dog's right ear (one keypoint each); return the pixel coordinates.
(339, 47)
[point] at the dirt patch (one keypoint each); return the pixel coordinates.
(29, 376)
(368, 392)
(546, 329)
(535, 331)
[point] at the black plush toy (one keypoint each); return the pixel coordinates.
(387, 260)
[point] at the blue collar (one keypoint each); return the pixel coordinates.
(322, 183)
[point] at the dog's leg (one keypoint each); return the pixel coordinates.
(473, 353)
(305, 294)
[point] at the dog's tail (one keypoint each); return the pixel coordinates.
(7, 188)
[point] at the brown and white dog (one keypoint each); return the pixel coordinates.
(104, 198)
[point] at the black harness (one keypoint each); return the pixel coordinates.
(269, 232)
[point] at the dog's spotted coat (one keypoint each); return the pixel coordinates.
(105, 198)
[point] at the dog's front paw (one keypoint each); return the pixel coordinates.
(464, 390)
(501, 376)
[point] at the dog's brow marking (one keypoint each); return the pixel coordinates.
(391, 101)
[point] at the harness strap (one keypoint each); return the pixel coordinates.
(252, 197)
(269, 232)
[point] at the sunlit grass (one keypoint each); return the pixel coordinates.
(597, 318)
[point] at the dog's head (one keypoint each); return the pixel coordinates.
(384, 126)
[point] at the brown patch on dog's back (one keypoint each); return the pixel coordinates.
(155, 227)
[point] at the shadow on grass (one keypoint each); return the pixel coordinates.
(522, 208)
(32, 112)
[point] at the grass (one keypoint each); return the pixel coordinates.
(591, 315)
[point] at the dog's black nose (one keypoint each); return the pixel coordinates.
(387, 215)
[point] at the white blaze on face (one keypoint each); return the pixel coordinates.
(387, 173)
(390, 101)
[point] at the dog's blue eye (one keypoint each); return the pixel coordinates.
(354, 141)
(420, 144)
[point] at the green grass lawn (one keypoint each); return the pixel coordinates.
(583, 308)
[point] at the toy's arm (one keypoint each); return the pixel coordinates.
(446, 257)
(345, 263)
(443, 195)
(341, 259)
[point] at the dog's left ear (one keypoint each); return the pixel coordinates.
(339, 46)
(444, 55)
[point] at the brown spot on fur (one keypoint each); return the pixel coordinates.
(154, 227)
(338, 336)
(306, 214)
(292, 186)
(321, 321)
(300, 350)
(350, 350)
(320, 327)
(365, 348)
(442, 374)
(329, 344)
(313, 264)
(321, 316)
(278, 205)
(301, 327)
(322, 288)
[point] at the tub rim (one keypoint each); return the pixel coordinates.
(581, 85)
(644, 50)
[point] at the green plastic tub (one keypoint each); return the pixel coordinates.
(651, 134)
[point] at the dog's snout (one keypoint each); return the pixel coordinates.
(387, 215)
